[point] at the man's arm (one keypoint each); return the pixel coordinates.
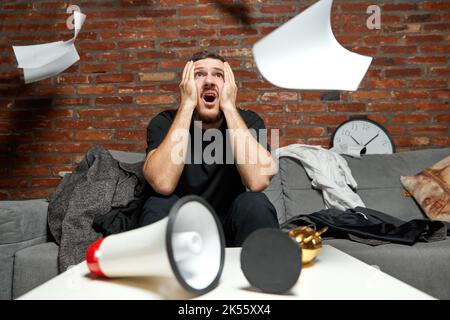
(163, 166)
(254, 163)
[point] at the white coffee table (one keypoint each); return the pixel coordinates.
(334, 275)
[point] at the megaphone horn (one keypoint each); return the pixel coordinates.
(188, 243)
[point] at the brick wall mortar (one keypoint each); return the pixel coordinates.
(130, 69)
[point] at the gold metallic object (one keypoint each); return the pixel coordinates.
(309, 240)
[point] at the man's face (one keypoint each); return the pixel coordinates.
(209, 78)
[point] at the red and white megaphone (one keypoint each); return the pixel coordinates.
(189, 244)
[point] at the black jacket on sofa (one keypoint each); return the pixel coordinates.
(370, 226)
(101, 190)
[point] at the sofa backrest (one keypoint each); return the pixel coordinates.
(127, 157)
(378, 178)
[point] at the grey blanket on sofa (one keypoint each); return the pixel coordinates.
(98, 184)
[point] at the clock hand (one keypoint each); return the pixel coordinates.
(371, 140)
(355, 140)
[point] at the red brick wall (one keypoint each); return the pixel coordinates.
(132, 53)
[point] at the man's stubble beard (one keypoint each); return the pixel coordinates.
(207, 119)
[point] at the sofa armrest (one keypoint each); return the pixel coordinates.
(33, 266)
(24, 220)
(23, 224)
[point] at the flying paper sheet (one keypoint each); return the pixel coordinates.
(304, 54)
(42, 61)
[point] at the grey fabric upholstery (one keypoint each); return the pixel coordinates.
(22, 224)
(34, 266)
(22, 220)
(7, 252)
(274, 193)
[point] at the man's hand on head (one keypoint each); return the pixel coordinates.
(188, 89)
(229, 90)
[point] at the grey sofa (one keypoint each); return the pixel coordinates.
(28, 257)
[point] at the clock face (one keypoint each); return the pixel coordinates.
(364, 133)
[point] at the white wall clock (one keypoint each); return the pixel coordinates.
(365, 133)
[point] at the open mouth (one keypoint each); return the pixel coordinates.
(209, 97)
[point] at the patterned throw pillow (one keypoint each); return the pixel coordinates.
(431, 189)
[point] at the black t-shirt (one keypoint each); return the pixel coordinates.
(219, 182)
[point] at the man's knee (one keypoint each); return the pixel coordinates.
(156, 208)
(253, 206)
(250, 211)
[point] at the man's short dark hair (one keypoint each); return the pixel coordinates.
(206, 54)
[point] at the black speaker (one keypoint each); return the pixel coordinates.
(271, 260)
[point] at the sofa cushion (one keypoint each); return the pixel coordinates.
(7, 252)
(431, 189)
(379, 184)
(274, 193)
(34, 266)
(423, 265)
